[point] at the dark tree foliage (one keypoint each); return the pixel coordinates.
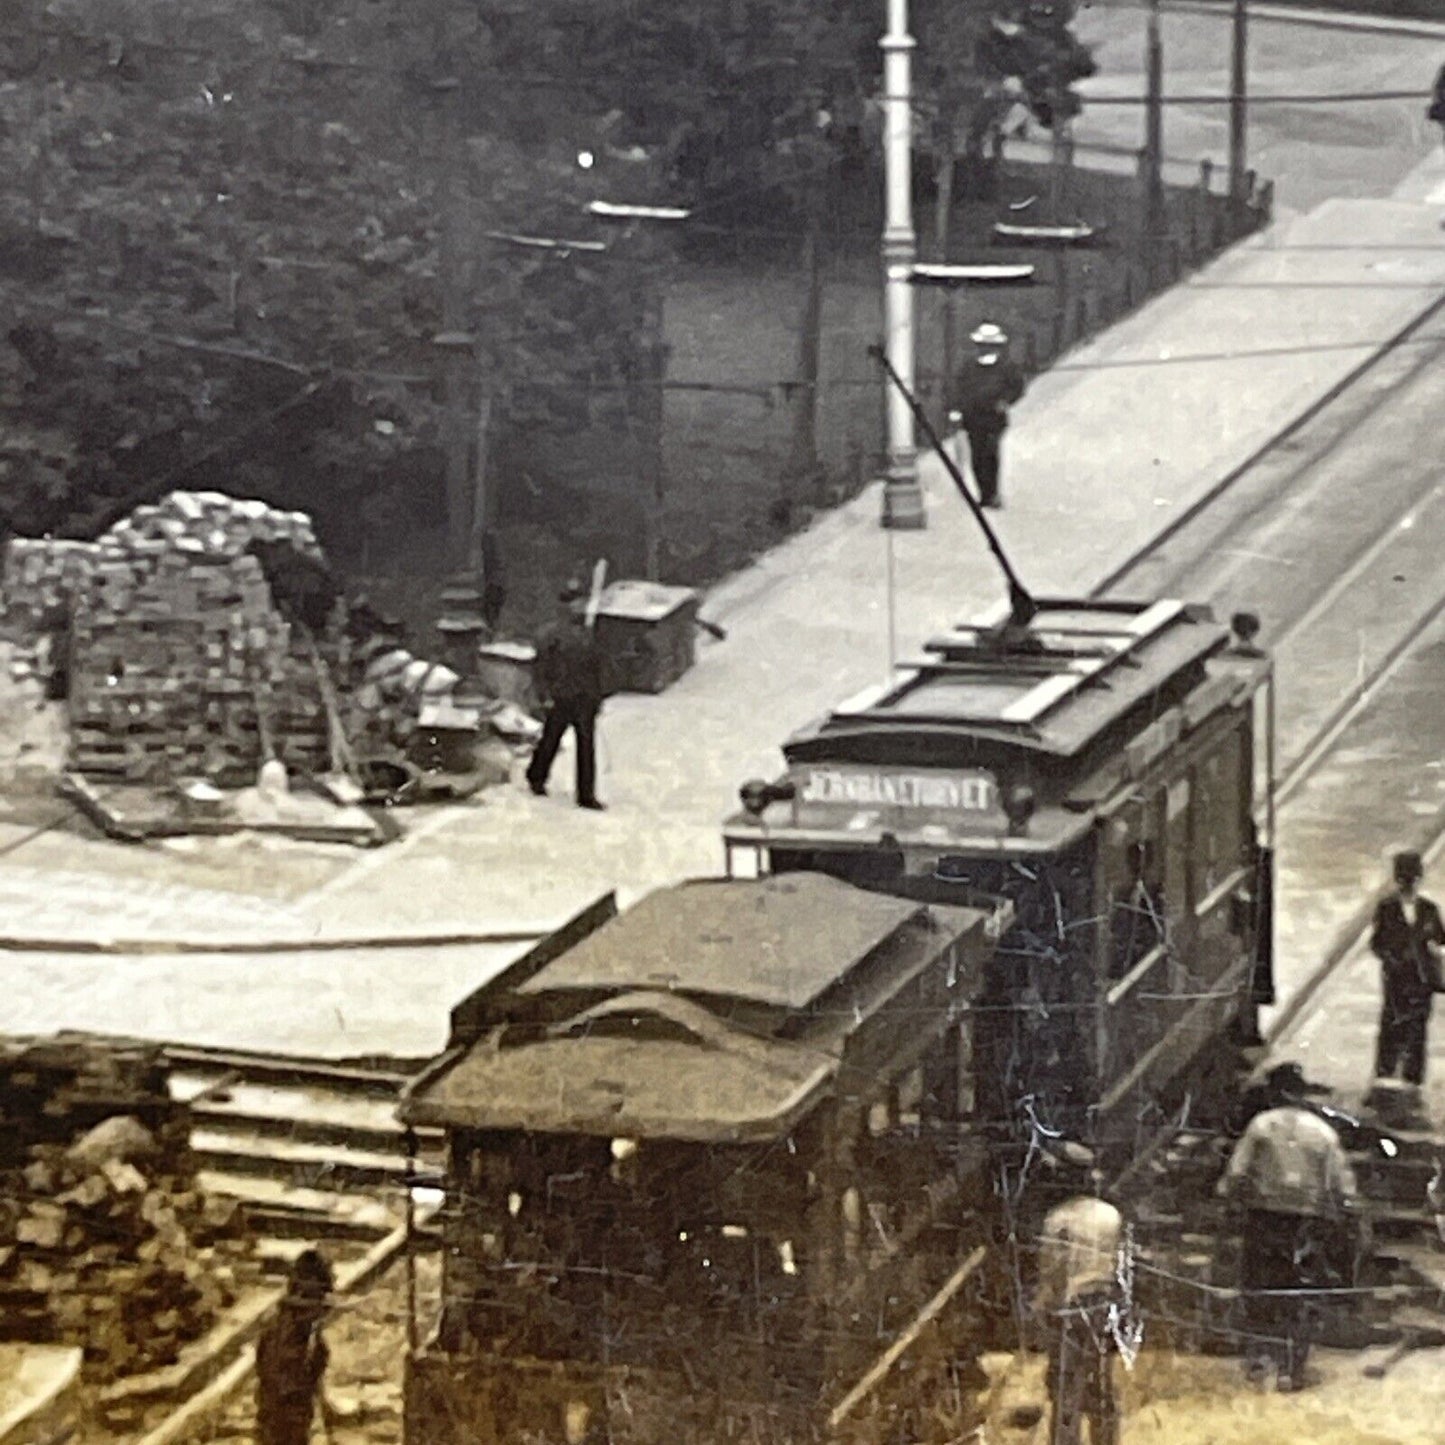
(978, 59)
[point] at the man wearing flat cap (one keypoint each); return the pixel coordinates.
(983, 391)
(1407, 938)
(571, 679)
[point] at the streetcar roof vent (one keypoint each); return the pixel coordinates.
(1052, 684)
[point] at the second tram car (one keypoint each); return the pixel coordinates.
(1107, 768)
(704, 1167)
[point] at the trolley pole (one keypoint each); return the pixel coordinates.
(902, 495)
(1238, 93)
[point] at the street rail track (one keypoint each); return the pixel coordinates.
(1248, 488)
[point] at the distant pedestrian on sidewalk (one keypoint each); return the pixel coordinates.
(1437, 106)
(1291, 1177)
(983, 391)
(1080, 1273)
(1407, 939)
(291, 1357)
(571, 679)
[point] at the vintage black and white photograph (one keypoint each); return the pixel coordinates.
(722, 722)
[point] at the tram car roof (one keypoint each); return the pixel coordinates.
(715, 1011)
(1051, 687)
(1069, 706)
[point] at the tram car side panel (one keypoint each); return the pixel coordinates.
(1179, 862)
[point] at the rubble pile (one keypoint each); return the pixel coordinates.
(102, 1248)
(203, 635)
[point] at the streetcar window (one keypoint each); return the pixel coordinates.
(910, 1099)
(1137, 922)
(1219, 831)
(1177, 897)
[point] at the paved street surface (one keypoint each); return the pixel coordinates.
(1312, 152)
(1106, 449)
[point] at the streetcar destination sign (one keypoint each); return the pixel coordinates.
(947, 792)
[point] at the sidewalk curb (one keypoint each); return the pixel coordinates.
(124, 946)
(1277, 439)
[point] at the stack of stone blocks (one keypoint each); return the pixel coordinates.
(178, 654)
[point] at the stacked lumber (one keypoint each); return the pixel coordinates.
(55, 1090)
(99, 1249)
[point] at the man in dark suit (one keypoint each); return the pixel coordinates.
(570, 678)
(983, 391)
(1407, 938)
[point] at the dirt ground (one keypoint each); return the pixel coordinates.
(1168, 1398)
(1174, 1399)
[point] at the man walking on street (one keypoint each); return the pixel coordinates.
(291, 1357)
(1080, 1272)
(1290, 1175)
(570, 678)
(1406, 938)
(989, 384)
(1437, 107)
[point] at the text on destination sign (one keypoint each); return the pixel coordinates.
(950, 792)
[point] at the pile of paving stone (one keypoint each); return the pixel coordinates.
(202, 635)
(102, 1246)
(180, 660)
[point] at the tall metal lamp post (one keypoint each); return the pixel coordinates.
(902, 495)
(1238, 84)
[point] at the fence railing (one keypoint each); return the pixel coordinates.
(1202, 222)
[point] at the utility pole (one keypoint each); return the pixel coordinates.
(902, 496)
(1154, 134)
(453, 342)
(1238, 70)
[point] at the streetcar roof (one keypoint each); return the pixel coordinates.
(684, 1020)
(777, 941)
(1052, 687)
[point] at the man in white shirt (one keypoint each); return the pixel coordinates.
(1290, 1175)
(1081, 1269)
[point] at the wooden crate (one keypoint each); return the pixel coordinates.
(648, 632)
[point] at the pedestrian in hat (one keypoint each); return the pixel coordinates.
(983, 391)
(1407, 938)
(1082, 1269)
(291, 1357)
(571, 679)
(1302, 1230)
